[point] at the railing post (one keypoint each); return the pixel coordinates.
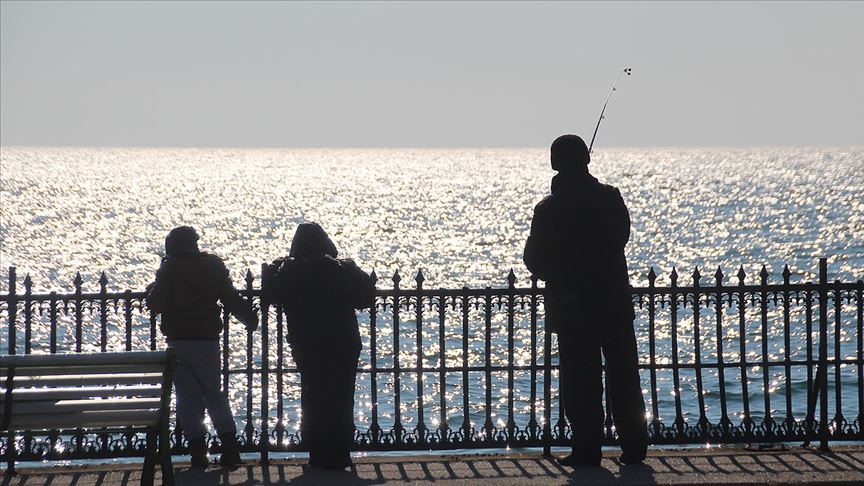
(79, 337)
(652, 354)
(768, 420)
(418, 321)
(249, 429)
(860, 304)
(28, 314)
(787, 345)
(680, 424)
(127, 319)
(265, 372)
(511, 310)
(697, 352)
(398, 429)
(375, 429)
(103, 313)
(52, 317)
(489, 428)
(13, 310)
(443, 426)
(79, 318)
(823, 354)
(747, 421)
(547, 383)
(532, 421)
(467, 434)
(725, 423)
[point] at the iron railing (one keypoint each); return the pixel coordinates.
(740, 363)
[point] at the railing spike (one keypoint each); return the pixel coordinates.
(786, 273)
(103, 279)
(674, 276)
(249, 278)
(718, 275)
(28, 282)
(696, 276)
(78, 281)
(374, 277)
(741, 274)
(396, 277)
(764, 274)
(511, 277)
(419, 278)
(652, 275)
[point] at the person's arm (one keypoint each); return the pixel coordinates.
(235, 303)
(622, 219)
(538, 248)
(159, 292)
(361, 290)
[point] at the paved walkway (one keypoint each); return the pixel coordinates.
(844, 465)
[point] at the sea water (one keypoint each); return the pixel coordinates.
(460, 215)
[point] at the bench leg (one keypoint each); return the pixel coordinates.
(10, 453)
(149, 470)
(165, 458)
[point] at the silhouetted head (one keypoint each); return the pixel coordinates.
(181, 240)
(568, 152)
(310, 240)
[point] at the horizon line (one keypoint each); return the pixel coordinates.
(454, 147)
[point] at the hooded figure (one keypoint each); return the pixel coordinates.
(189, 284)
(319, 294)
(576, 245)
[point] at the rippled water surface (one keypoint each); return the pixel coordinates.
(462, 215)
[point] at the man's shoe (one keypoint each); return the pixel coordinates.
(230, 451)
(579, 461)
(198, 449)
(628, 459)
(315, 461)
(338, 464)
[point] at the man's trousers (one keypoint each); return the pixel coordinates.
(581, 339)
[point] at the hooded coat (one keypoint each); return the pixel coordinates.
(186, 292)
(319, 292)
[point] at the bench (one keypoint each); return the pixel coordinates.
(99, 392)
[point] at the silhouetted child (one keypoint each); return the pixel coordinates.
(188, 285)
(320, 294)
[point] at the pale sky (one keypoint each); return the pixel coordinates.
(390, 74)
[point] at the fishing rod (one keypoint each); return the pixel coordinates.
(603, 111)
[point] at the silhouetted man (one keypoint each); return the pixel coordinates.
(576, 245)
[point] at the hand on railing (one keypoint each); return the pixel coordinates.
(252, 324)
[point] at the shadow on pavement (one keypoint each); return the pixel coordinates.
(662, 467)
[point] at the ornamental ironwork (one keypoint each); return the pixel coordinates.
(721, 362)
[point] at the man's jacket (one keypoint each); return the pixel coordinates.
(186, 292)
(576, 245)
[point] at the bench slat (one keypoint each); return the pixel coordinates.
(85, 370)
(69, 406)
(96, 419)
(82, 392)
(87, 380)
(77, 359)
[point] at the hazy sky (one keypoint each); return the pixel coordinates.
(388, 74)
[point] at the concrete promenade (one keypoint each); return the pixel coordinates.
(844, 465)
